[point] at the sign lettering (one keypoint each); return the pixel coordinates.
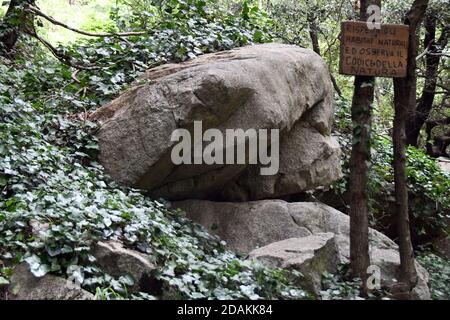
(378, 52)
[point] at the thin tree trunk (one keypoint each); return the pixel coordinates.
(405, 103)
(432, 59)
(314, 35)
(408, 272)
(359, 167)
(437, 148)
(363, 98)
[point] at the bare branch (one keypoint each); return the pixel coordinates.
(425, 52)
(61, 57)
(38, 12)
(74, 76)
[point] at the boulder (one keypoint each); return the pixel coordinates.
(311, 255)
(308, 159)
(118, 261)
(25, 286)
(269, 86)
(246, 226)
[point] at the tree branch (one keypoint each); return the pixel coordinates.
(38, 12)
(67, 60)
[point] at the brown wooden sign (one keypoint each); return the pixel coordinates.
(378, 52)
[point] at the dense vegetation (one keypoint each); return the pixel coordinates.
(49, 174)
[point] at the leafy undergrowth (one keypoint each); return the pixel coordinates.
(439, 270)
(342, 286)
(49, 174)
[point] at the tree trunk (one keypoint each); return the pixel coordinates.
(415, 123)
(437, 148)
(13, 22)
(314, 36)
(405, 103)
(363, 98)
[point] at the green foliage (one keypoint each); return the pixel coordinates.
(439, 271)
(5, 274)
(49, 175)
(341, 286)
(87, 15)
(428, 185)
(430, 188)
(338, 289)
(292, 19)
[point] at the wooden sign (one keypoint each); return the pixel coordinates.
(378, 52)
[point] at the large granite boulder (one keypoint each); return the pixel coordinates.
(251, 225)
(270, 86)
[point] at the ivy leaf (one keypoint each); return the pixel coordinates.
(3, 281)
(37, 268)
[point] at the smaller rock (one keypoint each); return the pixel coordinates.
(444, 164)
(312, 256)
(118, 261)
(25, 286)
(388, 260)
(421, 291)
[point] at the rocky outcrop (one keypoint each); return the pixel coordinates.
(269, 86)
(264, 87)
(25, 286)
(247, 226)
(311, 255)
